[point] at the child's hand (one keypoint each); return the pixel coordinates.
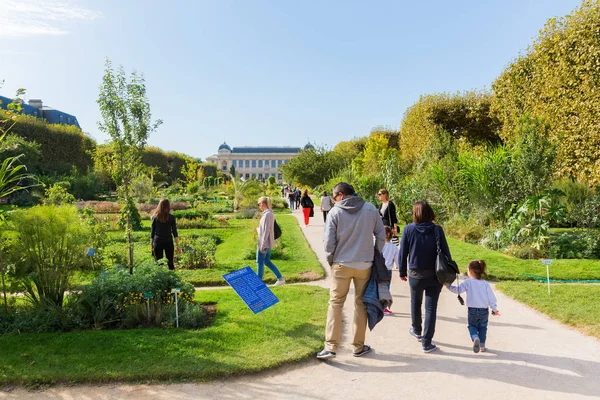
(447, 285)
(496, 314)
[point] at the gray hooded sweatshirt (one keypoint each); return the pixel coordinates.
(349, 231)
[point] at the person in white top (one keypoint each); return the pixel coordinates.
(326, 204)
(266, 240)
(480, 298)
(391, 254)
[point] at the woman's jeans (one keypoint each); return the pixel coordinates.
(432, 288)
(478, 322)
(263, 259)
(325, 215)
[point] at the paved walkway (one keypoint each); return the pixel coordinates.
(529, 357)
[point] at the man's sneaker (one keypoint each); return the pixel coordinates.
(412, 333)
(483, 347)
(476, 345)
(366, 349)
(325, 354)
(429, 348)
(387, 311)
(279, 282)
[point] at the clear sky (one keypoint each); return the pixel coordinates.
(263, 73)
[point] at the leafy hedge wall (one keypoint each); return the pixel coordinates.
(61, 146)
(558, 80)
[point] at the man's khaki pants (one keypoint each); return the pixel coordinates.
(341, 277)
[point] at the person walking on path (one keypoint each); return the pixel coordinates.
(391, 254)
(326, 204)
(350, 253)
(480, 298)
(266, 240)
(418, 253)
(387, 210)
(292, 199)
(307, 206)
(164, 229)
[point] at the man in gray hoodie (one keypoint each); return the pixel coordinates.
(349, 230)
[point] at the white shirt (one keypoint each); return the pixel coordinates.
(326, 203)
(391, 253)
(479, 293)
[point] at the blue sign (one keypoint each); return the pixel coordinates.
(90, 251)
(253, 291)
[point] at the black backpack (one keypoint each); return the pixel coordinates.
(276, 230)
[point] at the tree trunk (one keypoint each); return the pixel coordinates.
(128, 228)
(3, 284)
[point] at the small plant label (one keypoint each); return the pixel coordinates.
(546, 261)
(148, 295)
(176, 290)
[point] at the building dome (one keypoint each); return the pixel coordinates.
(224, 146)
(309, 146)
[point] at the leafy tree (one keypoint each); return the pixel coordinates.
(126, 118)
(313, 167)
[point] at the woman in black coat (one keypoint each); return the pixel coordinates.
(387, 211)
(307, 206)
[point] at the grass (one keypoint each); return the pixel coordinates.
(235, 343)
(503, 267)
(575, 305)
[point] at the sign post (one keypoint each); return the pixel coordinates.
(497, 234)
(547, 263)
(89, 251)
(176, 293)
(252, 290)
(148, 296)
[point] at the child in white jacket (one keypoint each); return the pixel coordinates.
(480, 298)
(391, 253)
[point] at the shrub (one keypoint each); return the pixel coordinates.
(576, 244)
(247, 213)
(461, 228)
(116, 297)
(523, 251)
(189, 214)
(196, 223)
(193, 316)
(280, 203)
(88, 186)
(43, 319)
(135, 218)
(48, 247)
(101, 206)
(198, 252)
(58, 195)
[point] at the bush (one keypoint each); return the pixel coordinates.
(576, 244)
(88, 186)
(115, 297)
(48, 247)
(279, 203)
(134, 216)
(101, 206)
(196, 223)
(43, 319)
(198, 252)
(58, 195)
(523, 251)
(467, 230)
(189, 214)
(247, 213)
(193, 316)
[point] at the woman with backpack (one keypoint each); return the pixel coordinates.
(307, 206)
(266, 241)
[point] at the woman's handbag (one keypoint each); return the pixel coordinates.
(312, 212)
(445, 267)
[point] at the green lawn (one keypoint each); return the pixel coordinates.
(235, 343)
(503, 267)
(572, 304)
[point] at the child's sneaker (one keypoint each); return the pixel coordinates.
(279, 282)
(476, 345)
(482, 347)
(387, 311)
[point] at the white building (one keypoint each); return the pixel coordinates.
(255, 162)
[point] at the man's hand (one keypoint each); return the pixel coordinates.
(262, 251)
(496, 313)
(403, 278)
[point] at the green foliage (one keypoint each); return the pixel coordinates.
(61, 147)
(313, 167)
(130, 212)
(465, 116)
(208, 169)
(14, 146)
(48, 247)
(576, 244)
(142, 188)
(198, 252)
(57, 195)
(556, 80)
(87, 186)
(43, 320)
(189, 214)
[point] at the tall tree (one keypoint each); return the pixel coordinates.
(126, 118)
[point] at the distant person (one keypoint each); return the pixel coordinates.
(418, 254)
(298, 196)
(307, 206)
(350, 254)
(164, 229)
(391, 254)
(292, 199)
(266, 241)
(480, 298)
(387, 210)
(326, 204)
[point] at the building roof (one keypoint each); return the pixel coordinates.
(224, 146)
(51, 115)
(266, 149)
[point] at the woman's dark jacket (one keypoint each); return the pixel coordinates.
(418, 249)
(306, 202)
(389, 217)
(163, 232)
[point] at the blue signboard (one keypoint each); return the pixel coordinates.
(251, 289)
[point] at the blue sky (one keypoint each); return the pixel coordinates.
(263, 73)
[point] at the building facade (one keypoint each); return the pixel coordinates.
(255, 162)
(35, 108)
